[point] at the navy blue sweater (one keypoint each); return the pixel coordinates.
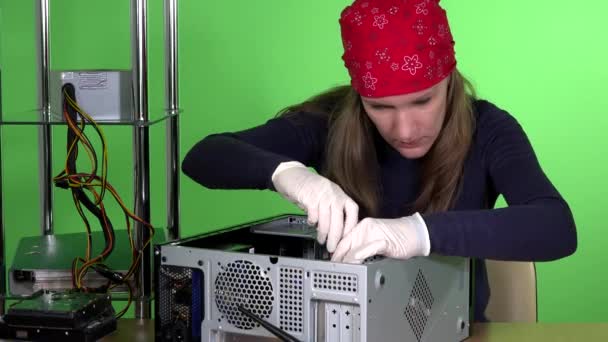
(537, 225)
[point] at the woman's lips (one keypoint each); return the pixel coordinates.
(409, 144)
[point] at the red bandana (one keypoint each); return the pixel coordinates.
(394, 47)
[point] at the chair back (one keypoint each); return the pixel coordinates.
(512, 291)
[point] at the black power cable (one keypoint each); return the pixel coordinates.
(276, 331)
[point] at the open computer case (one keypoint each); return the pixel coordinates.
(270, 279)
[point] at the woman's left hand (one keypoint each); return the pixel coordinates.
(400, 238)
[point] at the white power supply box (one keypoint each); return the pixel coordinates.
(106, 95)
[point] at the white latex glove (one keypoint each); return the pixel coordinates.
(400, 238)
(334, 212)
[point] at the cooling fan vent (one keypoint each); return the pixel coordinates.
(291, 299)
(242, 283)
(173, 281)
(332, 281)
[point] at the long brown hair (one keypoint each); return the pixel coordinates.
(351, 159)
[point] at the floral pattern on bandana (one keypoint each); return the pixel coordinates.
(411, 64)
(421, 8)
(380, 21)
(383, 55)
(370, 81)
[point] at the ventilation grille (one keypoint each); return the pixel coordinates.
(418, 309)
(291, 299)
(242, 283)
(174, 294)
(342, 282)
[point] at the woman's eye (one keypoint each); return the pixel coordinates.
(422, 101)
(379, 107)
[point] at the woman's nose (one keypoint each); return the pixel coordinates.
(404, 126)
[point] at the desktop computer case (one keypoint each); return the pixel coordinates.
(275, 269)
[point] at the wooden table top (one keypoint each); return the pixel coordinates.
(132, 330)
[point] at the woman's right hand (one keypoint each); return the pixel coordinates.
(326, 204)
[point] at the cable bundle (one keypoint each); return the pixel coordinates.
(88, 191)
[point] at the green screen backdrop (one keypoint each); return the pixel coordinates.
(242, 61)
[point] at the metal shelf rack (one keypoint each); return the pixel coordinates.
(141, 152)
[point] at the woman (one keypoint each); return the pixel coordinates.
(409, 162)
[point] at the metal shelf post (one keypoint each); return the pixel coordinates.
(171, 82)
(2, 242)
(141, 140)
(141, 151)
(45, 138)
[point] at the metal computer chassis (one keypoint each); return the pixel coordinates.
(276, 270)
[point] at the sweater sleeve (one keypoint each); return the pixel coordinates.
(537, 225)
(247, 159)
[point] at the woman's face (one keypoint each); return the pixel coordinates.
(410, 123)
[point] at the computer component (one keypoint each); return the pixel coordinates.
(106, 95)
(270, 278)
(65, 316)
(44, 262)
